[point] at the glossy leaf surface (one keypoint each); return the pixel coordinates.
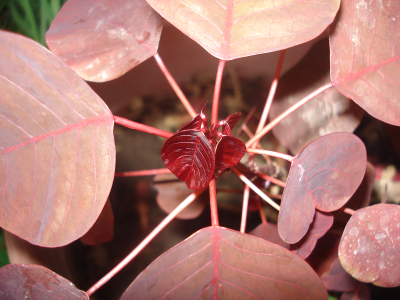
(269, 232)
(189, 155)
(57, 156)
(172, 192)
(102, 40)
(36, 283)
(321, 224)
(324, 175)
(365, 53)
(233, 29)
(372, 238)
(327, 113)
(219, 263)
(230, 151)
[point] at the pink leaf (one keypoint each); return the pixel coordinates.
(218, 263)
(365, 56)
(337, 279)
(372, 238)
(230, 30)
(230, 151)
(189, 155)
(57, 146)
(102, 230)
(102, 40)
(327, 113)
(36, 283)
(324, 175)
(322, 223)
(269, 232)
(172, 192)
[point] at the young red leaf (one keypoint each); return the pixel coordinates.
(365, 56)
(321, 224)
(57, 146)
(36, 283)
(218, 263)
(369, 248)
(232, 120)
(189, 155)
(230, 151)
(230, 30)
(102, 40)
(324, 175)
(269, 232)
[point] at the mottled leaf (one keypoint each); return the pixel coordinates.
(369, 248)
(189, 155)
(102, 230)
(324, 175)
(233, 29)
(269, 231)
(327, 113)
(337, 279)
(365, 53)
(218, 263)
(36, 283)
(321, 224)
(172, 192)
(230, 151)
(57, 152)
(102, 40)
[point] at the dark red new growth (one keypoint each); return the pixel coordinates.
(196, 154)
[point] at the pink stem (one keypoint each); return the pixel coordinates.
(262, 215)
(247, 119)
(246, 196)
(213, 203)
(143, 173)
(144, 243)
(175, 86)
(217, 89)
(286, 113)
(271, 179)
(250, 135)
(133, 125)
(270, 153)
(348, 211)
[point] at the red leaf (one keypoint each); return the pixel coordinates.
(232, 120)
(269, 232)
(189, 155)
(322, 223)
(102, 40)
(365, 58)
(324, 175)
(337, 279)
(230, 151)
(102, 230)
(218, 263)
(172, 192)
(372, 238)
(231, 30)
(36, 283)
(327, 113)
(57, 146)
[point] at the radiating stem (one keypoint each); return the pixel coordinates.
(213, 203)
(271, 179)
(143, 173)
(217, 89)
(144, 243)
(286, 113)
(262, 215)
(246, 196)
(271, 153)
(256, 189)
(175, 86)
(250, 135)
(141, 127)
(348, 211)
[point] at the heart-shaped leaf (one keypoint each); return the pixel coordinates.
(36, 283)
(102, 40)
(218, 263)
(233, 29)
(327, 113)
(189, 155)
(365, 56)
(230, 151)
(324, 175)
(269, 232)
(369, 248)
(57, 146)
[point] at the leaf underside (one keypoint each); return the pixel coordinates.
(233, 29)
(365, 54)
(102, 40)
(324, 175)
(57, 152)
(218, 263)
